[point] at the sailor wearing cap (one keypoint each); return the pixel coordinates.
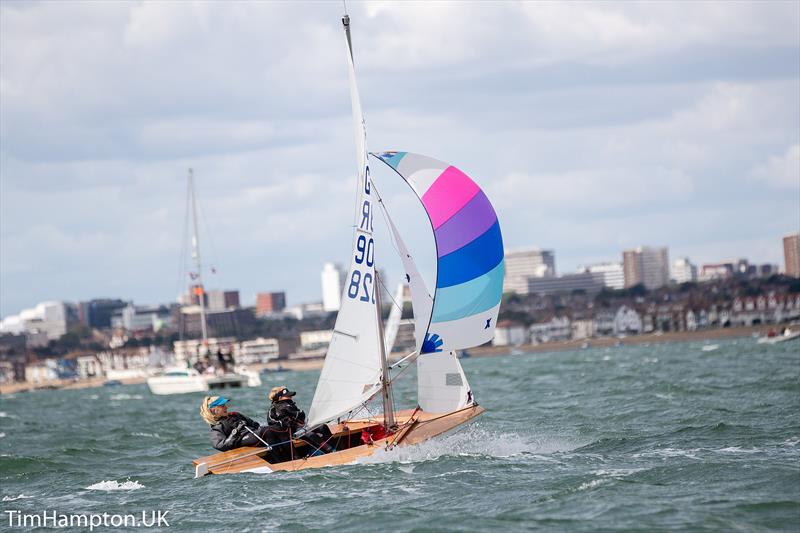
(284, 415)
(283, 412)
(229, 430)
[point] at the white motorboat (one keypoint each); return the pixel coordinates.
(787, 335)
(178, 381)
(185, 380)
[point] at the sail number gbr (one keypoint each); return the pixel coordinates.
(362, 284)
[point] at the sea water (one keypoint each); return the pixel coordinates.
(666, 436)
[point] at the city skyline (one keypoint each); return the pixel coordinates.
(588, 142)
(609, 274)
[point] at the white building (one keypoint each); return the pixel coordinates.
(527, 263)
(301, 311)
(133, 318)
(42, 371)
(49, 318)
(582, 328)
(332, 283)
(190, 349)
(556, 329)
(258, 350)
(508, 333)
(613, 273)
(646, 265)
(683, 271)
(588, 282)
(627, 321)
(316, 340)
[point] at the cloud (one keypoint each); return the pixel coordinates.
(781, 171)
(593, 126)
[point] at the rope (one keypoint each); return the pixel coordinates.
(386, 290)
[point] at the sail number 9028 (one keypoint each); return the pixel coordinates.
(365, 253)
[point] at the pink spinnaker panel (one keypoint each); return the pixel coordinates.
(449, 193)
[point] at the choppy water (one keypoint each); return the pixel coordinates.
(649, 437)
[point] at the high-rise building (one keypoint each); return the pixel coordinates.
(791, 255)
(527, 263)
(646, 265)
(97, 313)
(683, 270)
(613, 273)
(270, 302)
(221, 300)
(332, 278)
(588, 282)
(712, 271)
(51, 319)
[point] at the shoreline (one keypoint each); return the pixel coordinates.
(315, 363)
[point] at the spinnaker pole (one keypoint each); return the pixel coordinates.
(386, 384)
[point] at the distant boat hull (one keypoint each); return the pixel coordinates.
(779, 338)
(165, 385)
(414, 427)
(187, 382)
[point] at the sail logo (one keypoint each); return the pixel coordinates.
(432, 343)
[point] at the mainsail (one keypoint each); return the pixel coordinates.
(352, 370)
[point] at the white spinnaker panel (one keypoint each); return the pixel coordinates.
(469, 247)
(441, 384)
(352, 370)
(421, 299)
(393, 324)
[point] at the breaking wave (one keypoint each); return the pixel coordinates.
(15, 498)
(115, 485)
(123, 396)
(470, 442)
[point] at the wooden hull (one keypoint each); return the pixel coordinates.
(414, 426)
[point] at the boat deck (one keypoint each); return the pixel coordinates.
(414, 426)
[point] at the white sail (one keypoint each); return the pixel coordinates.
(352, 370)
(393, 323)
(421, 300)
(441, 384)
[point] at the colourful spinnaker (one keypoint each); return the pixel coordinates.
(469, 245)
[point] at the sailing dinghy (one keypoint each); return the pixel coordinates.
(459, 314)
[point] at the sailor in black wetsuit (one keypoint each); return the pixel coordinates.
(284, 415)
(230, 430)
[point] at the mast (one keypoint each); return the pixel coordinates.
(198, 262)
(346, 24)
(386, 384)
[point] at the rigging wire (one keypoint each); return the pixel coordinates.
(212, 263)
(391, 297)
(182, 269)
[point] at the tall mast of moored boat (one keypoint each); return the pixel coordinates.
(198, 262)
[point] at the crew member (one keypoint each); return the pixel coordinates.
(230, 430)
(284, 414)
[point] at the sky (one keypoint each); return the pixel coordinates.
(592, 126)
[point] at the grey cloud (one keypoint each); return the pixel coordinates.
(592, 126)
